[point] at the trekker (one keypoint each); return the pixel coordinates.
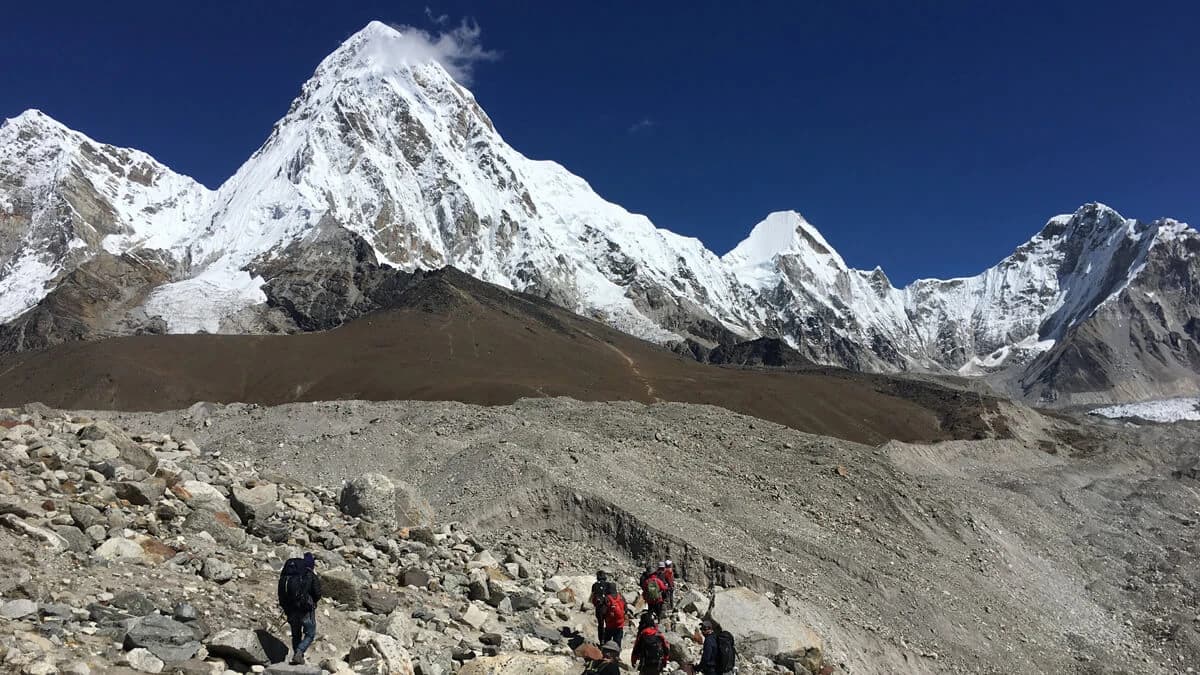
(650, 649)
(601, 590)
(654, 592)
(608, 664)
(718, 657)
(615, 612)
(299, 591)
(668, 576)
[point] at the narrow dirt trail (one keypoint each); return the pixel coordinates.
(637, 373)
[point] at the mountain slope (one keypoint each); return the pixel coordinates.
(385, 162)
(448, 336)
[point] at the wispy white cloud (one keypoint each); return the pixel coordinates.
(643, 125)
(457, 49)
(436, 19)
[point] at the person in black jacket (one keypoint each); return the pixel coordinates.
(299, 591)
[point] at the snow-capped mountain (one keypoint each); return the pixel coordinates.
(386, 162)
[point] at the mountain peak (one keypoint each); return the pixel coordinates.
(780, 233)
(381, 50)
(35, 118)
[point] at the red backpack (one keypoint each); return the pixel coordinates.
(614, 617)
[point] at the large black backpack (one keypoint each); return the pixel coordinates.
(295, 582)
(726, 652)
(652, 651)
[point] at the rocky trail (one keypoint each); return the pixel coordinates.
(139, 553)
(1064, 549)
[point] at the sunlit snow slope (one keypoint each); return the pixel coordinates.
(394, 152)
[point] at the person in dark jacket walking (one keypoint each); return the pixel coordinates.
(650, 650)
(601, 590)
(299, 591)
(708, 655)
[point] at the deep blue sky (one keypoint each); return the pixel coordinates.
(927, 137)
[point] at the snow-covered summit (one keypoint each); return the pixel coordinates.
(384, 144)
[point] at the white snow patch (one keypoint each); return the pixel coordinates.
(23, 285)
(199, 304)
(1167, 410)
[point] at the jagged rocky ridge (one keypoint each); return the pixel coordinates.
(386, 163)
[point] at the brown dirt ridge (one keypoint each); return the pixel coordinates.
(451, 337)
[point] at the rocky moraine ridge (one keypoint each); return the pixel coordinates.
(144, 554)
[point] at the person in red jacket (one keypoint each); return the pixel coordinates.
(654, 592)
(668, 576)
(651, 651)
(614, 618)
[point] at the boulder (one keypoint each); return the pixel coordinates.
(414, 576)
(164, 637)
(221, 525)
(761, 628)
(252, 647)
(76, 540)
(379, 601)
(51, 539)
(143, 661)
(18, 609)
(255, 504)
(475, 617)
(398, 625)
(217, 570)
(340, 585)
(520, 664)
(86, 516)
(692, 601)
(532, 644)
(201, 495)
(371, 496)
(141, 493)
(371, 645)
(139, 549)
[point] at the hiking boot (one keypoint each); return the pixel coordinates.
(297, 659)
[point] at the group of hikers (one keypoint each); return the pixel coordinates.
(299, 591)
(651, 651)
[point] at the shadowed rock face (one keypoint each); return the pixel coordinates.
(1142, 343)
(100, 298)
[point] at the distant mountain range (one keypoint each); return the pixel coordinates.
(384, 163)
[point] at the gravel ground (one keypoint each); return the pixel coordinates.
(1024, 555)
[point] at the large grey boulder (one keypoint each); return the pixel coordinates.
(386, 649)
(252, 647)
(378, 498)
(141, 493)
(164, 637)
(340, 585)
(18, 609)
(256, 503)
(129, 452)
(761, 628)
(371, 496)
(222, 525)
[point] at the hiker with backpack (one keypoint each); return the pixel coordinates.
(668, 576)
(654, 592)
(608, 663)
(601, 590)
(651, 651)
(615, 611)
(299, 591)
(718, 657)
